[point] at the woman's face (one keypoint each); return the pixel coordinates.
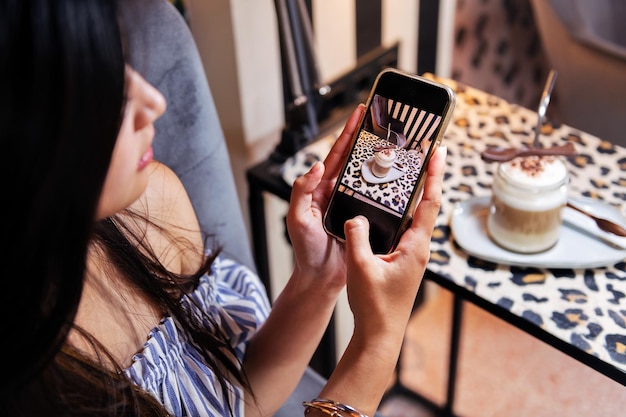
(127, 177)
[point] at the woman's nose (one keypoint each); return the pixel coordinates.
(154, 101)
(144, 101)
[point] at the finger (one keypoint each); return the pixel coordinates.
(337, 154)
(302, 191)
(358, 247)
(428, 208)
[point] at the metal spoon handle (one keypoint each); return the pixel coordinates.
(543, 104)
(604, 224)
(506, 154)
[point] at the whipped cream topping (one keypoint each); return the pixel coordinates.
(385, 157)
(534, 171)
(532, 183)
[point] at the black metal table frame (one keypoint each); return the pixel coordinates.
(266, 177)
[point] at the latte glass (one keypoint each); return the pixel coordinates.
(383, 161)
(528, 197)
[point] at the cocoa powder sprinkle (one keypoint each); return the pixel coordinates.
(533, 165)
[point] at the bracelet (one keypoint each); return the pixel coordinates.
(332, 408)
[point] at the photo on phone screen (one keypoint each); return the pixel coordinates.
(383, 174)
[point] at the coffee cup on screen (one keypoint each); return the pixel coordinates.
(527, 202)
(383, 161)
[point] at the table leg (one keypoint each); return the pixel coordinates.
(256, 206)
(455, 338)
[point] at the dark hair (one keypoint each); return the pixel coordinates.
(62, 69)
(61, 104)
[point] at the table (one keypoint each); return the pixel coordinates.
(580, 311)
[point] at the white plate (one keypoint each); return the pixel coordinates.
(366, 171)
(581, 243)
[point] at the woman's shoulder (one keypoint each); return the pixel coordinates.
(173, 225)
(163, 181)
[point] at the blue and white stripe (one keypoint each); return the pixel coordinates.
(170, 367)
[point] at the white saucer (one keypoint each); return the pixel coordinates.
(581, 243)
(366, 171)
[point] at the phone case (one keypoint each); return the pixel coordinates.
(384, 173)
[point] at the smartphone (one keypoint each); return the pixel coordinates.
(383, 176)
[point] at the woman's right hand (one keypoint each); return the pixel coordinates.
(381, 291)
(382, 288)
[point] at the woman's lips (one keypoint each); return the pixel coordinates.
(146, 158)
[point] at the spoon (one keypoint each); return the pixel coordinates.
(604, 224)
(543, 104)
(506, 154)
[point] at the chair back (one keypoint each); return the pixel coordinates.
(584, 42)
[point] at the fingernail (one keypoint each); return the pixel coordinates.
(316, 166)
(361, 219)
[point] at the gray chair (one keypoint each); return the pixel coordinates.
(585, 41)
(189, 138)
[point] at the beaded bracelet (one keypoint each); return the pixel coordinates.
(332, 408)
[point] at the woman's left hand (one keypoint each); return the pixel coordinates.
(282, 348)
(317, 254)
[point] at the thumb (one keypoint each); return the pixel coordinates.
(357, 239)
(302, 191)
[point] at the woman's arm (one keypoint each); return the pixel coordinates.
(381, 292)
(281, 350)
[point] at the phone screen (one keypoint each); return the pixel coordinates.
(383, 174)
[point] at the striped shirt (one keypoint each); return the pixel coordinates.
(171, 368)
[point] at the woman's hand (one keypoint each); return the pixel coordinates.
(318, 255)
(382, 288)
(282, 348)
(381, 292)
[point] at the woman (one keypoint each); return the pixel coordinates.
(122, 311)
